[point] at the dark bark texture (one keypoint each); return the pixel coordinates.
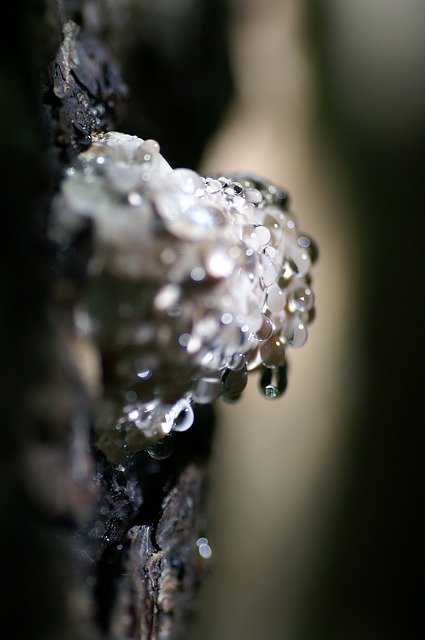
(93, 550)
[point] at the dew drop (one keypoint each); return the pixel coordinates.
(276, 299)
(181, 415)
(163, 449)
(253, 195)
(273, 352)
(266, 329)
(296, 333)
(273, 382)
(302, 299)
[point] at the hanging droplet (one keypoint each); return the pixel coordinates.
(237, 361)
(273, 382)
(253, 358)
(266, 329)
(273, 352)
(296, 333)
(163, 449)
(233, 383)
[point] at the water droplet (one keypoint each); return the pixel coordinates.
(266, 329)
(307, 243)
(297, 261)
(268, 272)
(181, 416)
(276, 299)
(163, 449)
(151, 146)
(144, 374)
(205, 551)
(213, 186)
(233, 383)
(273, 382)
(257, 237)
(201, 541)
(296, 333)
(237, 361)
(302, 299)
(273, 352)
(253, 195)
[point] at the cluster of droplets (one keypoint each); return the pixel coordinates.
(192, 283)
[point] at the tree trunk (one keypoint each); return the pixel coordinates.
(93, 550)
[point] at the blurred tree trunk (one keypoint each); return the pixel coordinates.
(92, 550)
(369, 581)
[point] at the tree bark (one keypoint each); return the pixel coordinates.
(96, 550)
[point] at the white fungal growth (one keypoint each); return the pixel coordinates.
(188, 276)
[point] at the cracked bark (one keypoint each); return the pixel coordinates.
(109, 549)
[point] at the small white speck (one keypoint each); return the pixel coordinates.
(144, 374)
(135, 199)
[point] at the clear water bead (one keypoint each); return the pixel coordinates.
(276, 299)
(213, 186)
(273, 352)
(253, 195)
(266, 329)
(302, 299)
(296, 334)
(268, 272)
(273, 382)
(181, 415)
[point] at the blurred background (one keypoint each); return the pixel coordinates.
(314, 497)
